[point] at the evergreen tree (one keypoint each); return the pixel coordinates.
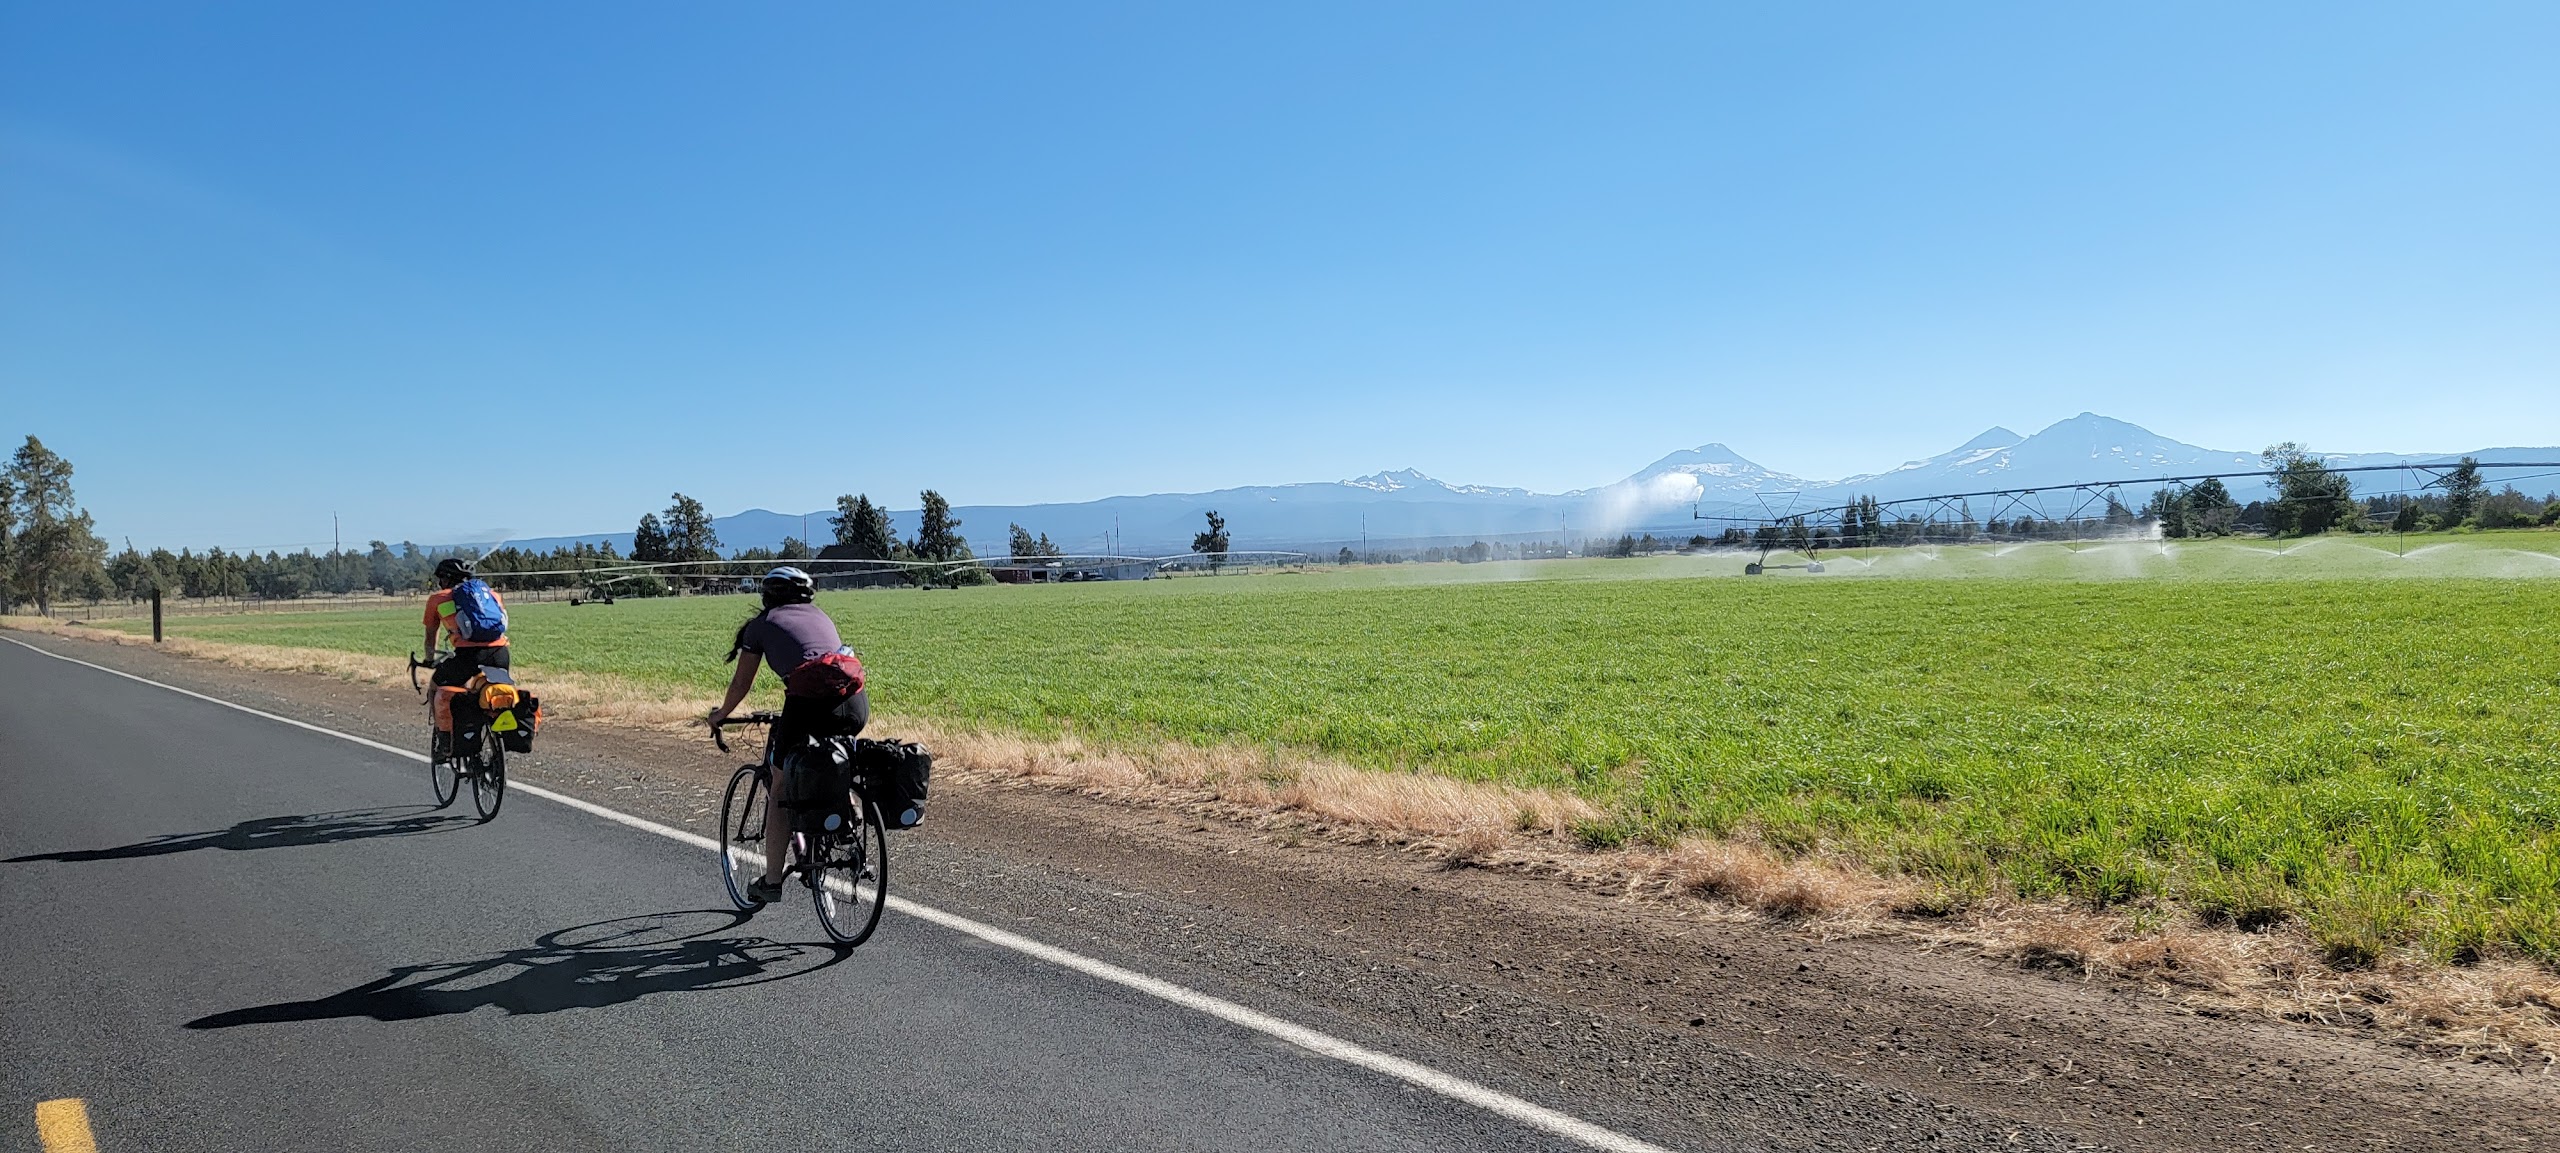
(649, 541)
(1021, 546)
(2310, 498)
(937, 531)
(793, 548)
(1213, 543)
(689, 532)
(55, 543)
(8, 540)
(864, 527)
(938, 540)
(2462, 490)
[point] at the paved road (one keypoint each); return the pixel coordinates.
(224, 933)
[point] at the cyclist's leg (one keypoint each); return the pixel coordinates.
(777, 837)
(802, 723)
(450, 674)
(781, 739)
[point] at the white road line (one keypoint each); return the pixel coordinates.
(1422, 1076)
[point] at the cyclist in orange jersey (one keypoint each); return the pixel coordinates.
(469, 657)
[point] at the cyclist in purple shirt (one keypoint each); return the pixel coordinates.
(790, 632)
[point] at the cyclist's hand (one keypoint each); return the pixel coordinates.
(717, 715)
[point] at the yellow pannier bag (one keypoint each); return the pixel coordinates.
(498, 698)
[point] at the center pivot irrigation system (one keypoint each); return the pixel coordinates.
(606, 580)
(2068, 513)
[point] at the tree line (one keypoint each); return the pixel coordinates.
(50, 550)
(2310, 498)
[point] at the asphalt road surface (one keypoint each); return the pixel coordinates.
(225, 932)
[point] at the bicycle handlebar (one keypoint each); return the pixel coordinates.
(757, 718)
(434, 658)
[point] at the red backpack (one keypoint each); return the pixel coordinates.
(833, 677)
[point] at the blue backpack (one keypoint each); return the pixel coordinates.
(477, 613)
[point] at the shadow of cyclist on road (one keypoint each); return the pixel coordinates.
(586, 967)
(288, 831)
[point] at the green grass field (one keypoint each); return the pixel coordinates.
(2331, 733)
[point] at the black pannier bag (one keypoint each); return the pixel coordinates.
(894, 776)
(468, 722)
(814, 779)
(518, 736)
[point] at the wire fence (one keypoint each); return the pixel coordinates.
(610, 580)
(121, 609)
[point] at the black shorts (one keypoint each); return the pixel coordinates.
(464, 664)
(806, 718)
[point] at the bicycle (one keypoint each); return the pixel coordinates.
(485, 767)
(840, 853)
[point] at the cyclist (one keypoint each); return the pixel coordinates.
(791, 636)
(469, 656)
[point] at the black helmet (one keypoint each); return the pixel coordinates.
(787, 586)
(453, 570)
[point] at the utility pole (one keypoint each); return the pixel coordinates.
(334, 546)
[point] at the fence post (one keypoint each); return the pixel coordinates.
(155, 616)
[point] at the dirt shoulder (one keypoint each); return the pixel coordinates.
(1679, 1020)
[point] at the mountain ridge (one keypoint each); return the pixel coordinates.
(1408, 504)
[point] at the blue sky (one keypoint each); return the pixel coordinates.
(456, 271)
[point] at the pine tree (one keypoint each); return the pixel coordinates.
(2462, 491)
(55, 543)
(649, 541)
(863, 527)
(1213, 543)
(937, 532)
(689, 532)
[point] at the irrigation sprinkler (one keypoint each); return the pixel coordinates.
(2072, 515)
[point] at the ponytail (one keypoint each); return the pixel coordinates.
(738, 642)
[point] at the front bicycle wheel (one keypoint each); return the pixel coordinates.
(489, 780)
(849, 877)
(742, 834)
(443, 775)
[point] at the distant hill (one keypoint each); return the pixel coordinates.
(1405, 505)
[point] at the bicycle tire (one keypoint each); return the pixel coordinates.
(849, 877)
(489, 780)
(742, 834)
(444, 777)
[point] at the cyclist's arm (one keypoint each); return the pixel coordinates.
(430, 645)
(739, 682)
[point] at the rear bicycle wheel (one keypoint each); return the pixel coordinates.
(443, 775)
(489, 780)
(849, 877)
(742, 834)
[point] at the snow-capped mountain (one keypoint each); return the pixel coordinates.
(1413, 483)
(2085, 447)
(1663, 497)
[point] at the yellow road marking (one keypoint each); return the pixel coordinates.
(63, 1126)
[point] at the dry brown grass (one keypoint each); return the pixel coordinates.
(2500, 1009)
(567, 696)
(1464, 819)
